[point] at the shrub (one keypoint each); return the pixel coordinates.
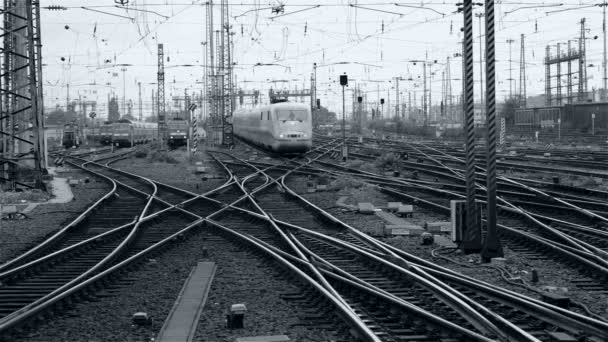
(368, 167)
(364, 193)
(355, 163)
(388, 161)
(163, 157)
(345, 183)
(141, 152)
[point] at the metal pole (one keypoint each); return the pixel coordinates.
(430, 87)
(343, 118)
(472, 234)
(124, 92)
(605, 92)
(314, 104)
(424, 107)
(396, 97)
(491, 246)
(510, 42)
(141, 111)
(558, 82)
(480, 15)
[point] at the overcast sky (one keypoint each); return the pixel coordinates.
(81, 46)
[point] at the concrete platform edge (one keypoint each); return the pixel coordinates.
(161, 334)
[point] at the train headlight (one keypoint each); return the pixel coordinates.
(281, 135)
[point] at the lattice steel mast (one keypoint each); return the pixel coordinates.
(226, 72)
(21, 108)
(582, 82)
(214, 126)
(160, 97)
(522, 73)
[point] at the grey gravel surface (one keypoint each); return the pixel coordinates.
(18, 236)
(240, 278)
(181, 174)
(243, 278)
(553, 274)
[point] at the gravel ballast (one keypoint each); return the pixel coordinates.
(240, 278)
(551, 274)
(182, 173)
(19, 236)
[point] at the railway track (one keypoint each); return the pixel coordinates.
(35, 282)
(385, 332)
(359, 298)
(539, 204)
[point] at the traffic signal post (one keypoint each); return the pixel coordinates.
(344, 83)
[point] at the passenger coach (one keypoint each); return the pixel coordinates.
(130, 133)
(280, 127)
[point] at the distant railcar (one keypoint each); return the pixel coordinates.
(177, 132)
(574, 118)
(71, 135)
(586, 117)
(532, 119)
(131, 133)
(105, 133)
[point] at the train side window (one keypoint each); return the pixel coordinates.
(268, 116)
(261, 115)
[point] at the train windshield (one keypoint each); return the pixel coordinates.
(292, 115)
(177, 125)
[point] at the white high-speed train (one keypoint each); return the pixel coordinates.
(280, 127)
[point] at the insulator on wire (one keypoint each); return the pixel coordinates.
(55, 8)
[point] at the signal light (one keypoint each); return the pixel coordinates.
(343, 80)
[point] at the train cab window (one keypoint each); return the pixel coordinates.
(291, 115)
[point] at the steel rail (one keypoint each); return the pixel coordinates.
(557, 315)
(13, 271)
(345, 277)
(467, 313)
(59, 234)
(437, 287)
(14, 321)
(294, 244)
(588, 322)
(566, 312)
(344, 311)
(43, 302)
(598, 253)
(601, 255)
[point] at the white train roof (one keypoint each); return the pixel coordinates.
(264, 108)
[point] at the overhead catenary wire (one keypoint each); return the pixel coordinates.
(295, 56)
